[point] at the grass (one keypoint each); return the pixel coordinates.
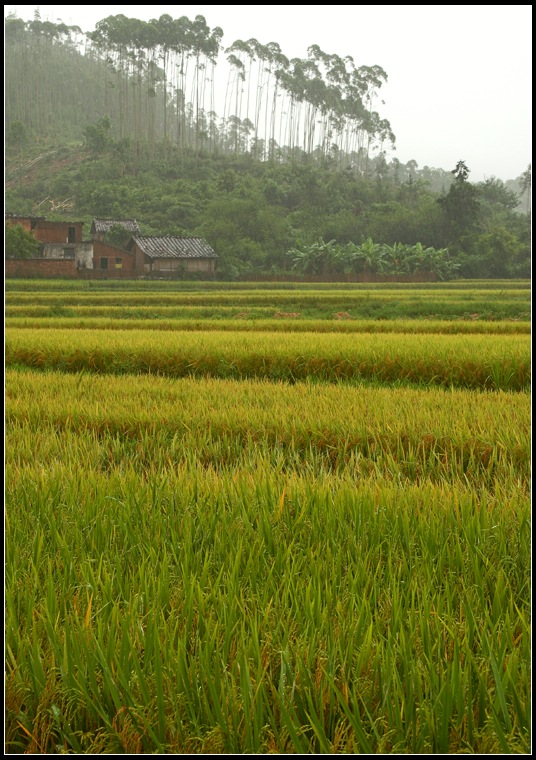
(338, 323)
(473, 361)
(287, 613)
(231, 563)
(364, 303)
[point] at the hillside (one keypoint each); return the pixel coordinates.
(92, 131)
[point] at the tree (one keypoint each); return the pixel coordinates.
(20, 244)
(497, 250)
(118, 235)
(494, 192)
(16, 134)
(98, 135)
(461, 172)
(526, 185)
(460, 205)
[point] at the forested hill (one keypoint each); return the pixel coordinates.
(123, 122)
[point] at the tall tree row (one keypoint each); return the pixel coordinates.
(156, 81)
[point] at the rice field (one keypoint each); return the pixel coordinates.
(263, 534)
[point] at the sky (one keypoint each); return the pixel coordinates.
(459, 76)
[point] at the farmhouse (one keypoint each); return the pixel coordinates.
(63, 252)
(167, 255)
(99, 227)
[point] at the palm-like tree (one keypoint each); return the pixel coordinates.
(396, 258)
(372, 256)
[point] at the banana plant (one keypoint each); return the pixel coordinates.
(396, 258)
(372, 256)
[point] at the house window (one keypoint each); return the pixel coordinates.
(71, 233)
(68, 253)
(118, 262)
(104, 263)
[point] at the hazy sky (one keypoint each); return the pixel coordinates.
(459, 76)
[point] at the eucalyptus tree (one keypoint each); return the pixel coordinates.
(236, 78)
(18, 66)
(181, 51)
(140, 36)
(274, 60)
(259, 53)
(365, 82)
(43, 34)
(296, 83)
(165, 40)
(37, 77)
(270, 61)
(212, 59)
(411, 169)
(205, 46)
(395, 165)
(346, 105)
(238, 55)
(280, 71)
(111, 40)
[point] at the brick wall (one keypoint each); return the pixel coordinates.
(112, 252)
(417, 277)
(40, 268)
(58, 232)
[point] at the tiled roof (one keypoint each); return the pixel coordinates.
(168, 247)
(105, 225)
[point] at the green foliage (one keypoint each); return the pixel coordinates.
(494, 192)
(17, 134)
(118, 235)
(19, 243)
(253, 213)
(97, 136)
(526, 186)
(371, 258)
(332, 558)
(497, 251)
(180, 170)
(460, 205)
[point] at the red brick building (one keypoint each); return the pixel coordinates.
(48, 232)
(111, 259)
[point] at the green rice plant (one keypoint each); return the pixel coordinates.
(249, 612)
(447, 360)
(255, 322)
(220, 565)
(150, 422)
(365, 302)
(144, 286)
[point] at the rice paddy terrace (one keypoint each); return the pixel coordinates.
(247, 518)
